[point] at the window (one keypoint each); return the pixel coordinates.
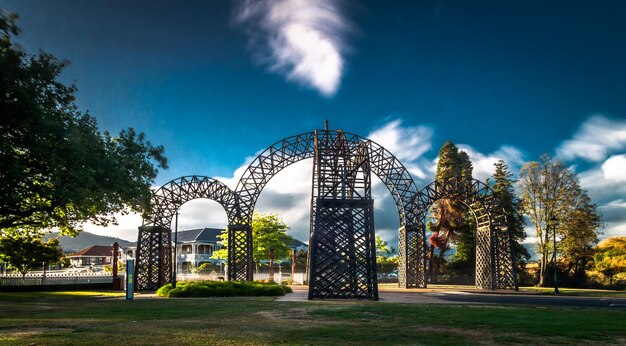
(186, 249)
(205, 249)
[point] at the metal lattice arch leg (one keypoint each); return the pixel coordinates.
(494, 260)
(154, 249)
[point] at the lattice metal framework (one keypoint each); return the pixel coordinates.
(342, 262)
(494, 260)
(154, 259)
(299, 147)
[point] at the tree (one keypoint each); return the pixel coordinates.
(504, 191)
(386, 256)
(449, 217)
(578, 232)
(551, 197)
(269, 239)
(58, 169)
(610, 257)
(23, 253)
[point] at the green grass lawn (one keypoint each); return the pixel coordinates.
(577, 292)
(104, 318)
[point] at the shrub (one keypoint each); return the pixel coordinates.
(223, 289)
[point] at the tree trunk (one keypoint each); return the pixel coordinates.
(272, 265)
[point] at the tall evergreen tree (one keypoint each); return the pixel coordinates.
(451, 225)
(504, 191)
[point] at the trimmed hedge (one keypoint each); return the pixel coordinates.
(223, 289)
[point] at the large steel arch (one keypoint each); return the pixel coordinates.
(154, 260)
(299, 147)
(494, 260)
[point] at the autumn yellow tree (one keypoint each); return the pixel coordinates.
(610, 257)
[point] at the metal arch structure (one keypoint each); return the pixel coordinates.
(494, 259)
(342, 246)
(154, 259)
(302, 146)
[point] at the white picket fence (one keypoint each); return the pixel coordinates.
(54, 279)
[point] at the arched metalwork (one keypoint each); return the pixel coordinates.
(299, 147)
(342, 247)
(154, 259)
(494, 261)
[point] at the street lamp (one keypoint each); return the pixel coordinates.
(555, 223)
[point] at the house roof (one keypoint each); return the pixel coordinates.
(95, 250)
(199, 235)
(296, 243)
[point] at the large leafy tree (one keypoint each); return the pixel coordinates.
(610, 257)
(552, 198)
(26, 252)
(504, 191)
(58, 169)
(578, 233)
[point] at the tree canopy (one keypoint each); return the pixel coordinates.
(58, 169)
(504, 191)
(269, 232)
(552, 198)
(24, 253)
(610, 257)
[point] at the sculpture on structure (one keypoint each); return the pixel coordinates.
(494, 260)
(342, 250)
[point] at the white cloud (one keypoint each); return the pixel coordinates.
(483, 163)
(595, 139)
(614, 168)
(606, 181)
(408, 144)
(301, 39)
(126, 228)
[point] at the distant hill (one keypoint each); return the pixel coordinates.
(85, 240)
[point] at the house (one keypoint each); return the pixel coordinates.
(194, 247)
(93, 255)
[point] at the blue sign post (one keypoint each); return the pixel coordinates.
(130, 282)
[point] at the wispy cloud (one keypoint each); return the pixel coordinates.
(407, 143)
(303, 40)
(597, 137)
(483, 163)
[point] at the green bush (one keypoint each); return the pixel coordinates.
(223, 289)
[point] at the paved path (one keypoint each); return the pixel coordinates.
(444, 296)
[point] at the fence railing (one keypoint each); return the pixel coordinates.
(54, 279)
(299, 278)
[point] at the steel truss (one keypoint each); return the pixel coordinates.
(342, 250)
(494, 260)
(341, 217)
(299, 147)
(154, 260)
(239, 204)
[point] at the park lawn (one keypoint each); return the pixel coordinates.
(61, 320)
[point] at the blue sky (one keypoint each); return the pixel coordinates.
(217, 81)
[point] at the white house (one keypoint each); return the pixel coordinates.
(194, 247)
